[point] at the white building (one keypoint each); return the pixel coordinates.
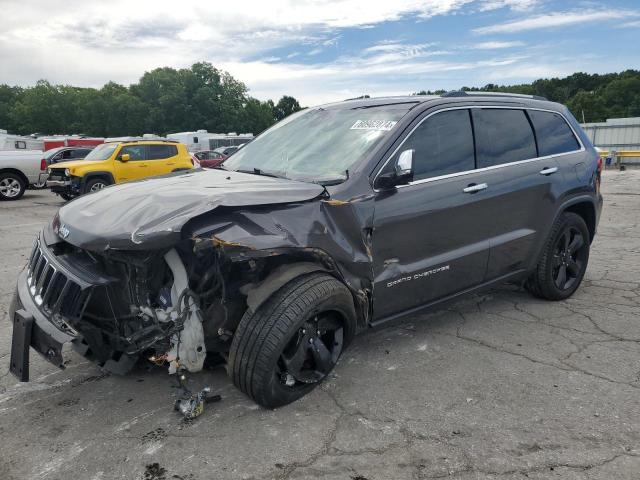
(615, 133)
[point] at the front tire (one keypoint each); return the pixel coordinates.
(564, 259)
(95, 184)
(66, 196)
(292, 342)
(12, 186)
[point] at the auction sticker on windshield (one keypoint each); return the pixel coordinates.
(384, 125)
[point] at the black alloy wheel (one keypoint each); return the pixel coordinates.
(312, 351)
(569, 258)
(293, 340)
(563, 261)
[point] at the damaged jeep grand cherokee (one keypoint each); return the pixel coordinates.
(336, 219)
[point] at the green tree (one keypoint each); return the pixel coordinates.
(285, 107)
(8, 97)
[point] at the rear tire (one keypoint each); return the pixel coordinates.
(66, 196)
(290, 344)
(12, 186)
(564, 259)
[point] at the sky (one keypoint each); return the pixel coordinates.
(319, 51)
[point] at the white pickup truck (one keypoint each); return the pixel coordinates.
(19, 169)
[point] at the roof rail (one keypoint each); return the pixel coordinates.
(463, 93)
(135, 140)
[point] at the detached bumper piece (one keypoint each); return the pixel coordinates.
(27, 333)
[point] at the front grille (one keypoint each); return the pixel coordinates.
(57, 295)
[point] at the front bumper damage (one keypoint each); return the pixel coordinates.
(61, 184)
(56, 302)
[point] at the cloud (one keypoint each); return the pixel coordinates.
(556, 19)
(495, 45)
(271, 45)
(519, 5)
(635, 24)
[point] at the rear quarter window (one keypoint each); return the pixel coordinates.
(553, 133)
(502, 136)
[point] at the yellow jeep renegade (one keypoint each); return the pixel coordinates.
(117, 162)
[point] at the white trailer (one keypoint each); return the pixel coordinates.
(9, 141)
(203, 140)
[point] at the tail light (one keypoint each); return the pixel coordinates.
(43, 165)
(599, 174)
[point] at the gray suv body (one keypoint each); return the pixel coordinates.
(337, 219)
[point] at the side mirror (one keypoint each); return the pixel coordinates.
(125, 157)
(404, 165)
(400, 175)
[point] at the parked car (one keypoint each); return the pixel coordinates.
(18, 170)
(226, 151)
(210, 158)
(335, 220)
(117, 162)
(63, 154)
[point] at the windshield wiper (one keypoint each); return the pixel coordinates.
(329, 182)
(257, 171)
(333, 181)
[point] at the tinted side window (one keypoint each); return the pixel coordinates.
(158, 152)
(136, 152)
(502, 136)
(80, 153)
(443, 144)
(553, 134)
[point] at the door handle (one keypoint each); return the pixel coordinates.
(548, 170)
(475, 187)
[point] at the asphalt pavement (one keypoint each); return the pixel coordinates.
(498, 386)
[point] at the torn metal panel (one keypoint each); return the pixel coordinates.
(329, 234)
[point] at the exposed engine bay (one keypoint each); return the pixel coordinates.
(154, 305)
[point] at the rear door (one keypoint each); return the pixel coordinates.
(523, 187)
(163, 159)
(137, 166)
(431, 238)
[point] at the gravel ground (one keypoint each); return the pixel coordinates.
(500, 385)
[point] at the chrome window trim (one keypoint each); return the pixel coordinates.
(484, 169)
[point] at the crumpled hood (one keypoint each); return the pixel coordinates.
(150, 214)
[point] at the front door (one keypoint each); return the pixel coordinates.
(431, 237)
(137, 166)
